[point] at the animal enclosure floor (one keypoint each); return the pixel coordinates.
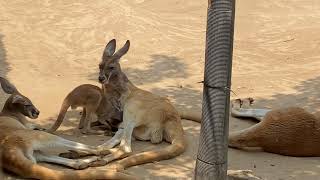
(49, 47)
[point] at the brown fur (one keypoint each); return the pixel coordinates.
(21, 146)
(102, 102)
(289, 131)
(146, 116)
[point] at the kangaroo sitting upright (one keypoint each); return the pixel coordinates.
(146, 116)
(21, 147)
(289, 131)
(103, 102)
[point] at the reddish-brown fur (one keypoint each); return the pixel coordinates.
(92, 99)
(289, 131)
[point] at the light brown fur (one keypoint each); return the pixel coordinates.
(104, 103)
(288, 131)
(21, 147)
(146, 117)
(93, 100)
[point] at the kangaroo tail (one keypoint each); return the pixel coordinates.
(63, 110)
(16, 162)
(190, 115)
(176, 148)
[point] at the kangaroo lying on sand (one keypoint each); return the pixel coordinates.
(145, 116)
(21, 147)
(289, 131)
(103, 102)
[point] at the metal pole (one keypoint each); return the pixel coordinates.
(213, 144)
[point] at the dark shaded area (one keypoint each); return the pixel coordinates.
(307, 96)
(3, 57)
(185, 97)
(4, 67)
(161, 67)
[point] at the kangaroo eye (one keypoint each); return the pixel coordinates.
(101, 66)
(111, 67)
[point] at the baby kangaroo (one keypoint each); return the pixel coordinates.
(21, 147)
(289, 131)
(94, 100)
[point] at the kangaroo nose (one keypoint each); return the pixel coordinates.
(36, 112)
(101, 78)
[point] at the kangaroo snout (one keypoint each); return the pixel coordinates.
(101, 79)
(35, 112)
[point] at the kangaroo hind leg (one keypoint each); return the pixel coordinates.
(87, 122)
(75, 164)
(246, 139)
(52, 141)
(83, 118)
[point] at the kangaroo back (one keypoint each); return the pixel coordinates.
(289, 131)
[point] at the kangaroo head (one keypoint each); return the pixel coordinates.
(109, 68)
(242, 103)
(18, 102)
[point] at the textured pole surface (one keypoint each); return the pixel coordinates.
(213, 144)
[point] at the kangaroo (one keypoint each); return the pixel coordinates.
(105, 104)
(146, 117)
(287, 131)
(21, 147)
(101, 101)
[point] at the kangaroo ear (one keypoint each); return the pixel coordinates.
(123, 50)
(7, 86)
(18, 99)
(251, 100)
(110, 48)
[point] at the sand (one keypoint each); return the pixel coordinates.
(49, 47)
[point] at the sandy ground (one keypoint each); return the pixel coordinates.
(48, 47)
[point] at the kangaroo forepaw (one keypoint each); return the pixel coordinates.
(81, 165)
(99, 162)
(70, 155)
(103, 150)
(73, 154)
(84, 163)
(119, 167)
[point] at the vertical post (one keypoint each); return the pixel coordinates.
(213, 144)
